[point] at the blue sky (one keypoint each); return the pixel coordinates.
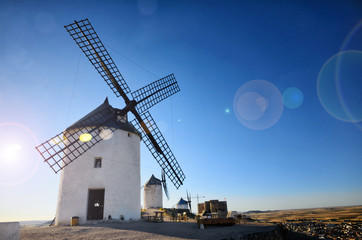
(306, 156)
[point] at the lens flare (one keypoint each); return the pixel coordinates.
(9, 153)
(293, 98)
(19, 159)
(85, 137)
(106, 134)
(339, 86)
(353, 41)
(252, 106)
(258, 104)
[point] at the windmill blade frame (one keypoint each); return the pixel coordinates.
(88, 41)
(67, 146)
(159, 148)
(155, 92)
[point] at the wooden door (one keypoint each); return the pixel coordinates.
(95, 204)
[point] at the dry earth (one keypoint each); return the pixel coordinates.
(141, 230)
(185, 230)
(339, 214)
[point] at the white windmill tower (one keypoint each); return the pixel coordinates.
(152, 192)
(92, 187)
(105, 178)
(183, 204)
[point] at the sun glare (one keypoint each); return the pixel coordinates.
(10, 153)
(18, 157)
(85, 137)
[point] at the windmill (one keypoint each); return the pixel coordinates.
(152, 191)
(87, 133)
(164, 184)
(161, 182)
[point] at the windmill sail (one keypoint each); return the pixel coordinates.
(155, 92)
(159, 148)
(189, 200)
(164, 184)
(87, 39)
(67, 146)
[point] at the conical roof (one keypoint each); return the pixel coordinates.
(153, 181)
(181, 202)
(104, 115)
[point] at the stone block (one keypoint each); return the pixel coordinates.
(9, 231)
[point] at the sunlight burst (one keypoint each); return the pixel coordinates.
(10, 153)
(85, 137)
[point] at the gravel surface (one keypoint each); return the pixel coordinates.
(141, 230)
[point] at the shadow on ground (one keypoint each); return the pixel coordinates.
(188, 230)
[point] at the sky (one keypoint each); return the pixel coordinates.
(268, 116)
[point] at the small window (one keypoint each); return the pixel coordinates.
(97, 162)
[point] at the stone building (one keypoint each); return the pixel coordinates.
(214, 208)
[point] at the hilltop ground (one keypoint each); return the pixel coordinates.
(141, 230)
(335, 214)
(189, 230)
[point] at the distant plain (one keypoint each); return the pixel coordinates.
(332, 214)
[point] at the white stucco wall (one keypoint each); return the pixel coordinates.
(119, 176)
(182, 206)
(152, 196)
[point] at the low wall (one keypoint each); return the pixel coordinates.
(9, 231)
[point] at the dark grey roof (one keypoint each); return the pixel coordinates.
(181, 202)
(104, 115)
(153, 181)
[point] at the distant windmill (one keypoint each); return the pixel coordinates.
(152, 191)
(184, 204)
(161, 182)
(112, 187)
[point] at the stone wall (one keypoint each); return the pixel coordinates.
(214, 206)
